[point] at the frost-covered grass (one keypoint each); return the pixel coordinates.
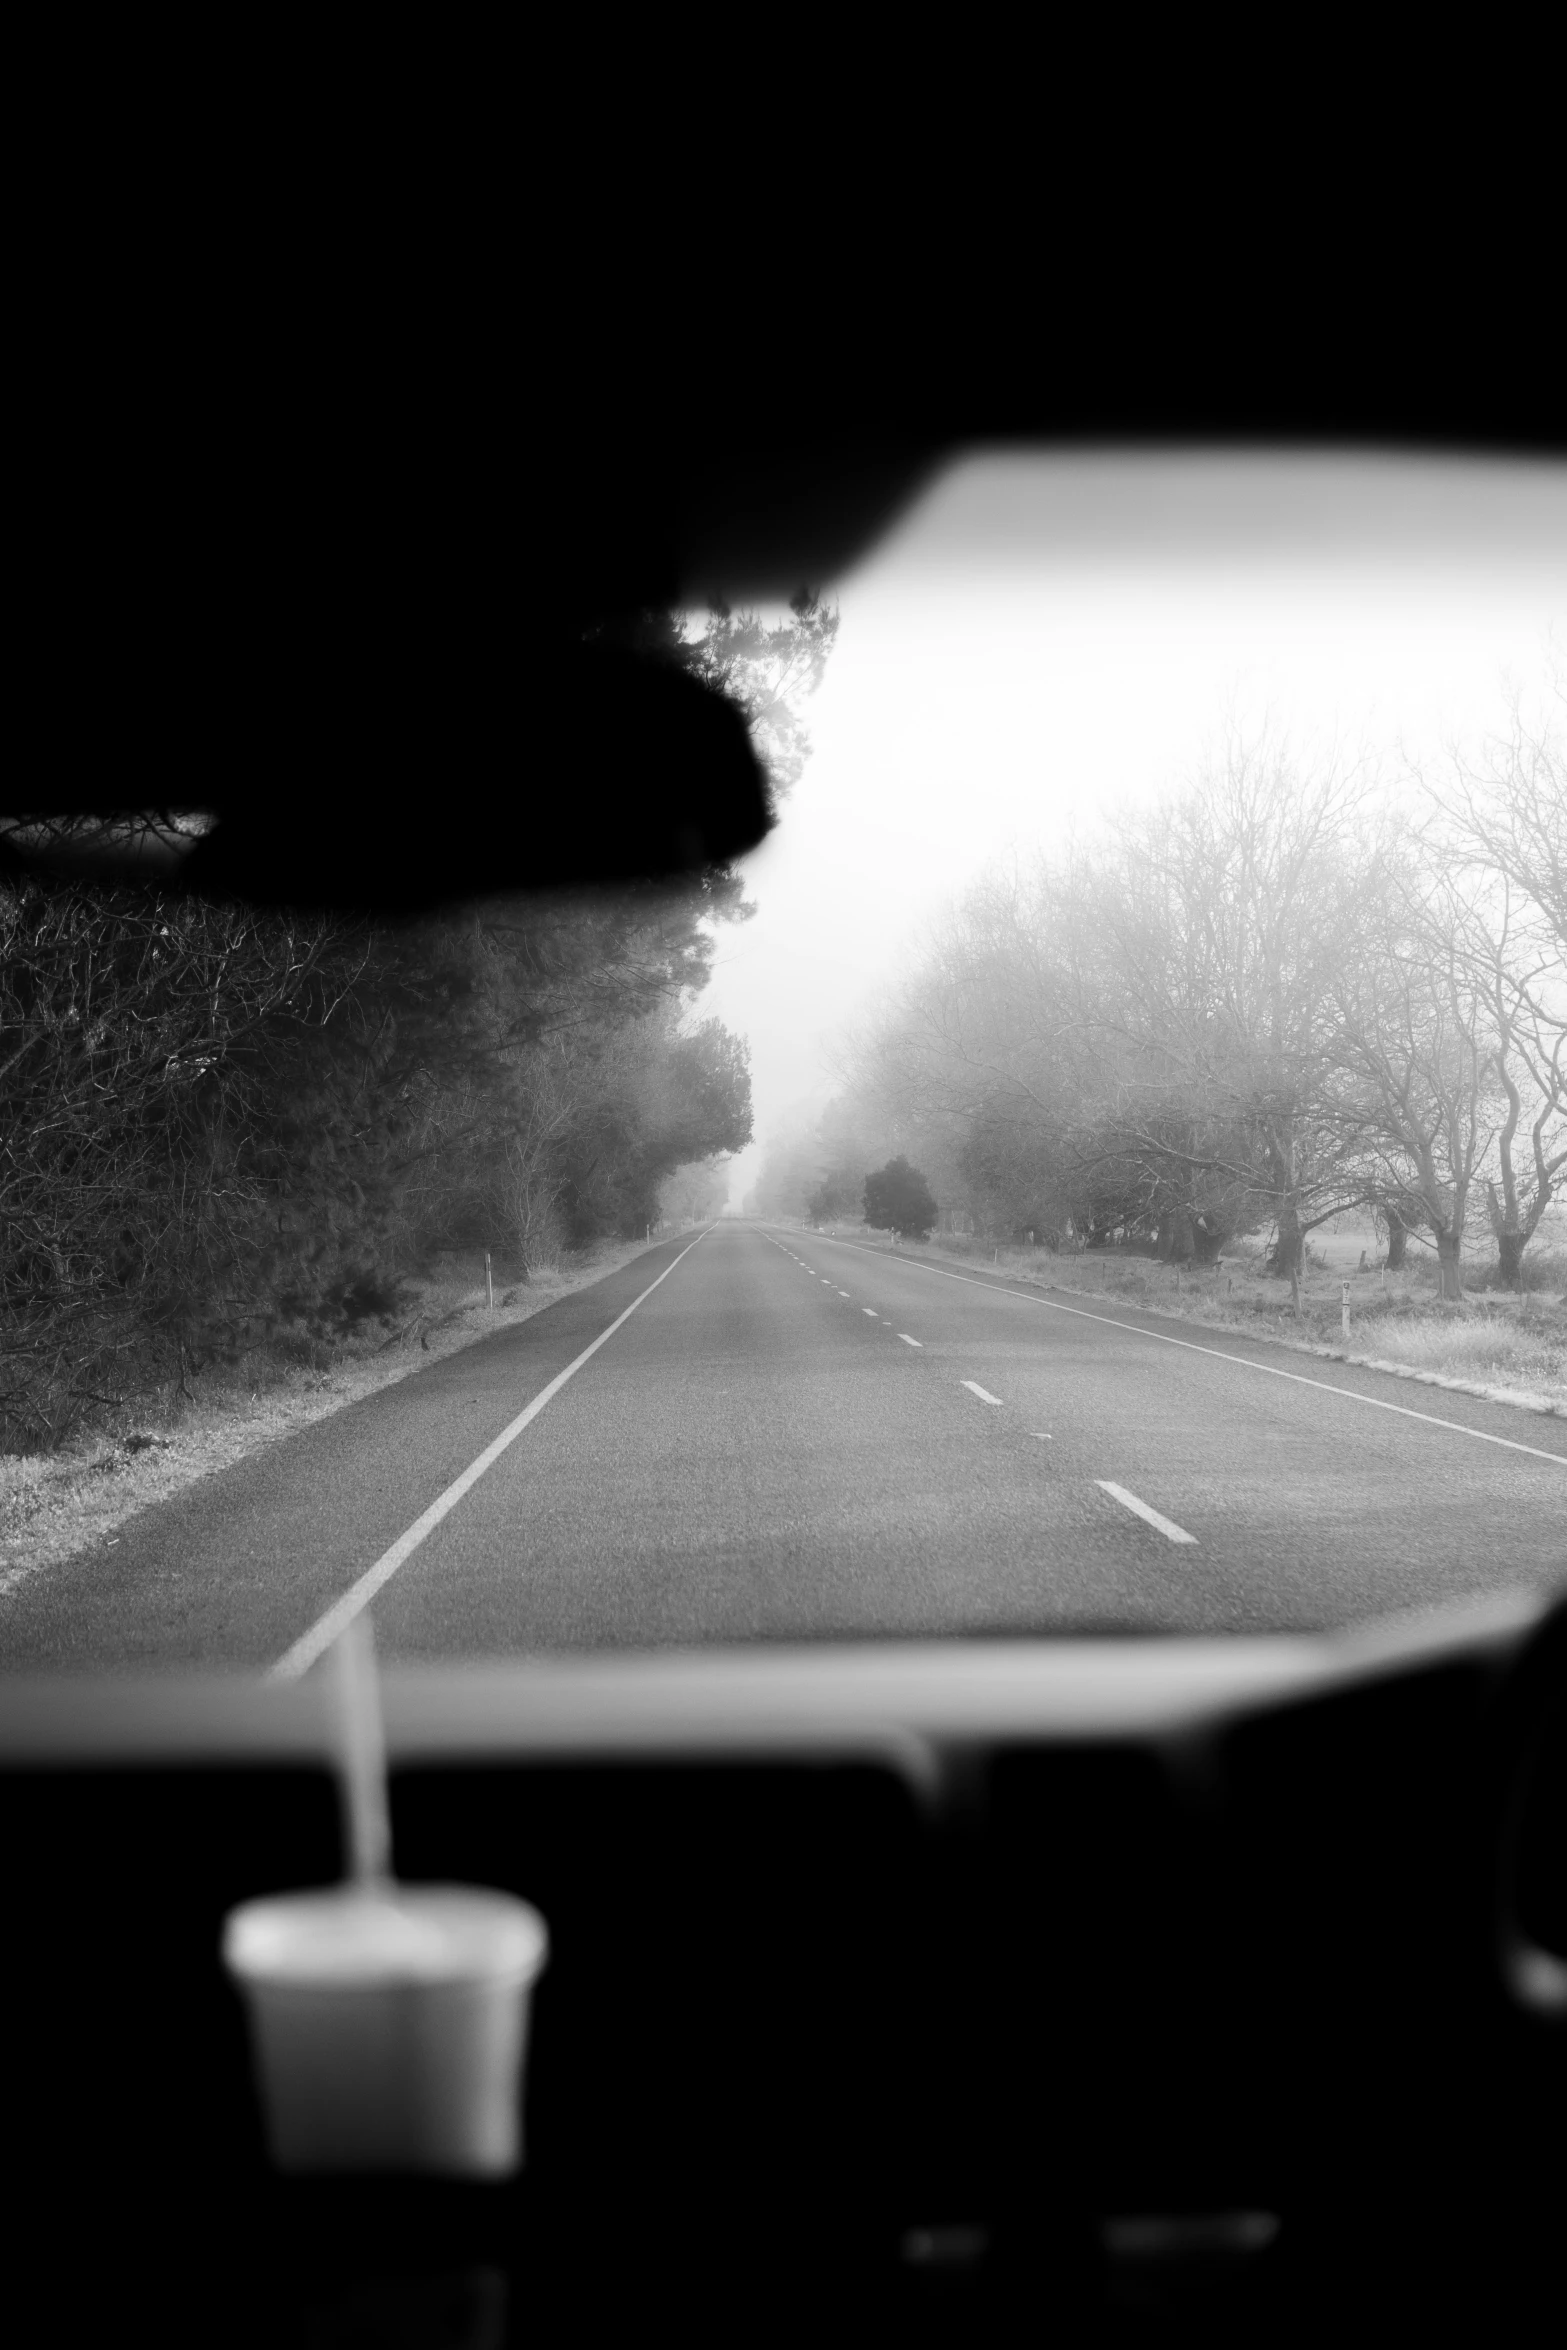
(54, 1504)
(1497, 1341)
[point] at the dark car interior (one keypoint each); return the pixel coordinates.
(1134, 1989)
(1183, 1989)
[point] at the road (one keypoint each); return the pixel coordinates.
(777, 1436)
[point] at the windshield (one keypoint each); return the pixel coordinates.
(1100, 1165)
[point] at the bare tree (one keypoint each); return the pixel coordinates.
(1213, 935)
(1528, 1057)
(1419, 1055)
(1502, 837)
(1506, 811)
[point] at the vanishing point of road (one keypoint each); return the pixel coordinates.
(763, 1434)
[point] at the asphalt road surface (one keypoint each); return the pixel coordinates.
(763, 1434)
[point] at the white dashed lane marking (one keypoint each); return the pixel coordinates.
(908, 1341)
(1130, 1501)
(983, 1393)
(871, 1310)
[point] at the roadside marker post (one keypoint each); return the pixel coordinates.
(489, 1286)
(1344, 1310)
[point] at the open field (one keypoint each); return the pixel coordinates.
(1495, 1343)
(52, 1505)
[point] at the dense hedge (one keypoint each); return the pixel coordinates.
(223, 1128)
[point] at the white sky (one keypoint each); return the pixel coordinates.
(1042, 638)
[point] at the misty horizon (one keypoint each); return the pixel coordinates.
(976, 701)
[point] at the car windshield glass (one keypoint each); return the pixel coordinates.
(1100, 1165)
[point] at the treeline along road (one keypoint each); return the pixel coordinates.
(1294, 989)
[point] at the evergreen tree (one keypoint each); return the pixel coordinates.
(898, 1199)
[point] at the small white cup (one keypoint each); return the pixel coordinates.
(389, 2025)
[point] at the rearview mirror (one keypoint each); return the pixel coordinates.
(609, 768)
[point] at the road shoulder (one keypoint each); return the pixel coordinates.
(54, 1508)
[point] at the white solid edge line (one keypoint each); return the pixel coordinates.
(1154, 1518)
(908, 1341)
(983, 1393)
(325, 1630)
(1273, 1371)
